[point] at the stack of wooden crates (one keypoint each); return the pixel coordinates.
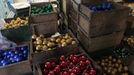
(45, 23)
(97, 30)
(73, 16)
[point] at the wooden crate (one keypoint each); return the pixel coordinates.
(77, 50)
(101, 23)
(104, 21)
(49, 27)
(38, 57)
(73, 25)
(20, 68)
(74, 14)
(130, 26)
(73, 20)
(16, 69)
(110, 52)
(74, 5)
(21, 33)
(41, 18)
(101, 42)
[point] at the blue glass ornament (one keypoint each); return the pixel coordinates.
(18, 59)
(10, 52)
(11, 58)
(5, 62)
(109, 6)
(24, 52)
(12, 55)
(16, 56)
(2, 61)
(94, 8)
(13, 61)
(20, 54)
(24, 48)
(104, 6)
(8, 56)
(5, 53)
(16, 52)
(5, 57)
(90, 6)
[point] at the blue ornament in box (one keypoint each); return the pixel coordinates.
(16, 52)
(2, 61)
(5, 53)
(13, 61)
(94, 8)
(10, 52)
(20, 54)
(18, 59)
(12, 55)
(16, 56)
(109, 6)
(101, 7)
(11, 58)
(8, 56)
(104, 6)
(5, 62)
(25, 52)
(24, 48)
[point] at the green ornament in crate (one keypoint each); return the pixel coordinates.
(41, 10)
(122, 53)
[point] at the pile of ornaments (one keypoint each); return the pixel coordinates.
(43, 9)
(101, 7)
(13, 55)
(113, 66)
(122, 53)
(129, 40)
(50, 43)
(16, 23)
(72, 65)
